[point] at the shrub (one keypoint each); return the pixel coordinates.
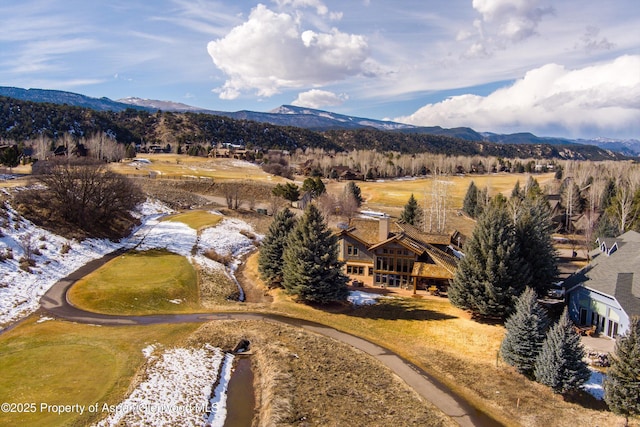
(215, 256)
(66, 247)
(25, 264)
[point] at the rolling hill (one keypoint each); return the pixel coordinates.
(325, 122)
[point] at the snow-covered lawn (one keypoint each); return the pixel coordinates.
(177, 390)
(363, 298)
(20, 291)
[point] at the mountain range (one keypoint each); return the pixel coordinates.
(309, 118)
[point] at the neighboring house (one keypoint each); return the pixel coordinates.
(606, 292)
(378, 252)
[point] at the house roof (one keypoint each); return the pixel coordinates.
(614, 273)
(367, 230)
(423, 269)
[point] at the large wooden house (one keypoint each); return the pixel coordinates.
(379, 252)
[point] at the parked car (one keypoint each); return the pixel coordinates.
(556, 291)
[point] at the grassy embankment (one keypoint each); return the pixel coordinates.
(63, 363)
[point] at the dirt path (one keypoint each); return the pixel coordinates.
(55, 302)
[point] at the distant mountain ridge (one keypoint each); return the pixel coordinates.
(62, 97)
(313, 119)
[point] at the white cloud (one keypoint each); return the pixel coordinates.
(502, 22)
(513, 19)
(603, 99)
(316, 98)
(270, 51)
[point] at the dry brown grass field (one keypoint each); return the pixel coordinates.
(183, 166)
(395, 193)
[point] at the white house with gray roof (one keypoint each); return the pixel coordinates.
(606, 292)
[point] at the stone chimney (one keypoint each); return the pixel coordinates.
(383, 228)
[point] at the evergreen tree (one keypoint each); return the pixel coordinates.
(288, 191)
(532, 189)
(622, 385)
(411, 213)
(270, 258)
(517, 192)
(534, 230)
(470, 202)
(10, 156)
(526, 329)
(311, 268)
(355, 191)
(491, 274)
(560, 364)
(315, 186)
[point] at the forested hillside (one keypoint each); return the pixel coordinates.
(22, 121)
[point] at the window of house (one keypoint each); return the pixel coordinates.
(355, 270)
(370, 271)
(352, 250)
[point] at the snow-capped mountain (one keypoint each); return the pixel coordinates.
(160, 105)
(341, 118)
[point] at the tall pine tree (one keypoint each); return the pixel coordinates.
(272, 248)
(354, 190)
(560, 364)
(492, 274)
(622, 385)
(470, 202)
(411, 213)
(311, 269)
(526, 330)
(534, 230)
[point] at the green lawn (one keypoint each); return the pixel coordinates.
(62, 363)
(197, 219)
(138, 283)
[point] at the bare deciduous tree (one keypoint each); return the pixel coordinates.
(87, 194)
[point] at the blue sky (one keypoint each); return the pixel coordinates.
(564, 68)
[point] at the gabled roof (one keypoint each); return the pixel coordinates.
(430, 238)
(614, 273)
(366, 230)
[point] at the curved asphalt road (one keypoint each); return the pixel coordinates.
(55, 302)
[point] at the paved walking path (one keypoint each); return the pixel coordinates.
(55, 302)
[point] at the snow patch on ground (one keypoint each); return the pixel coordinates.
(177, 390)
(20, 291)
(148, 350)
(594, 386)
(358, 298)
